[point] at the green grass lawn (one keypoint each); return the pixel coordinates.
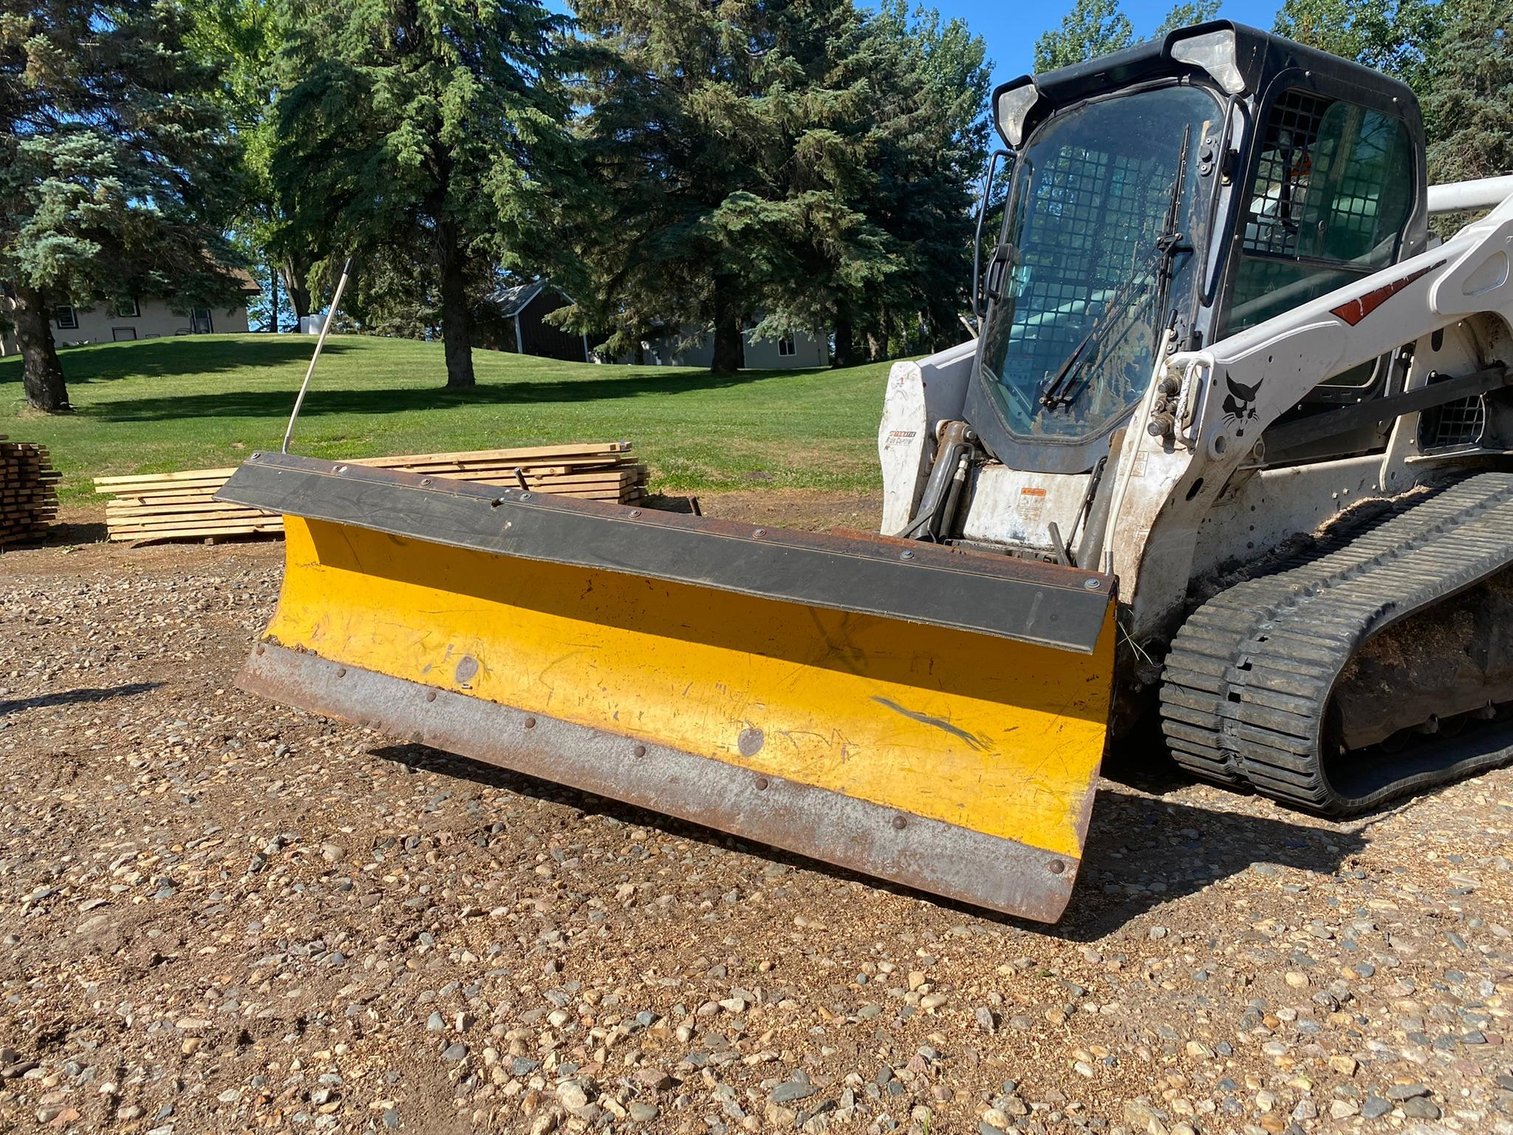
(206, 401)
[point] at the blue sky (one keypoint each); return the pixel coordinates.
(1011, 27)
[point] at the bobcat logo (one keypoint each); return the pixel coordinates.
(1240, 402)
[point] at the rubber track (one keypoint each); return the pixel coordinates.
(1248, 679)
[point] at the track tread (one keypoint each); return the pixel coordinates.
(1249, 676)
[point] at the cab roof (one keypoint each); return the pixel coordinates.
(1260, 57)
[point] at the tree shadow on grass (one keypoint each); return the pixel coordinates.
(1142, 853)
(182, 355)
(276, 403)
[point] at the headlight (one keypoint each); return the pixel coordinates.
(1014, 106)
(1215, 53)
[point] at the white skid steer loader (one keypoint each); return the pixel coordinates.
(1235, 447)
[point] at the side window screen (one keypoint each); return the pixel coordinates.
(1279, 198)
(1332, 194)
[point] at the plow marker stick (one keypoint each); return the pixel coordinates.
(325, 327)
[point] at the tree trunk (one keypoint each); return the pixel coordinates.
(728, 348)
(273, 299)
(456, 319)
(297, 285)
(42, 373)
(845, 343)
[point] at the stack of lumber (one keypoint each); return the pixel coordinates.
(28, 491)
(180, 506)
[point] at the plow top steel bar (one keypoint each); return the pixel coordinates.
(1015, 599)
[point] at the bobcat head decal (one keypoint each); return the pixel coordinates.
(1240, 402)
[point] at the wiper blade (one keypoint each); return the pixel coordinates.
(1059, 392)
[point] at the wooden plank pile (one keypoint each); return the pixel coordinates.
(180, 506)
(28, 491)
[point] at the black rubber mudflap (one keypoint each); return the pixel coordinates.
(1247, 685)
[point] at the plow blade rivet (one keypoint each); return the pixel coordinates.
(430, 695)
(761, 784)
(900, 823)
(639, 750)
(260, 648)
(1055, 867)
(906, 555)
(759, 533)
(530, 723)
(342, 672)
(635, 512)
(1093, 584)
(750, 742)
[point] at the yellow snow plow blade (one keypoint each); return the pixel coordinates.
(928, 716)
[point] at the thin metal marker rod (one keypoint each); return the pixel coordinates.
(325, 327)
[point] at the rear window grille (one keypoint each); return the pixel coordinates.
(1287, 157)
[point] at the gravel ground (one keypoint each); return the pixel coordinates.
(224, 915)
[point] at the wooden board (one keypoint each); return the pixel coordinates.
(28, 491)
(181, 505)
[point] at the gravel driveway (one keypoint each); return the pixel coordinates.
(220, 914)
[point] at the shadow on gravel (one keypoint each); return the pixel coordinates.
(1143, 852)
(77, 697)
(60, 534)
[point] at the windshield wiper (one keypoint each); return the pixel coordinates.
(1067, 384)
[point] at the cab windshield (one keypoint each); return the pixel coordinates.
(1097, 237)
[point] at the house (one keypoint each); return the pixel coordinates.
(514, 319)
(696, 349)
(135, 317)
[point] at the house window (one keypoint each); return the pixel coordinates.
(786, 347)
(126, 307)
(199, 321)
(122, 334)
(66, 317)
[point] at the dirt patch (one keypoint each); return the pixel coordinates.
(807, 509)
(220, 914)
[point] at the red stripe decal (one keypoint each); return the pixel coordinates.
(1358, 309)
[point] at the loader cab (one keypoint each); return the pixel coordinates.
(1184, 188)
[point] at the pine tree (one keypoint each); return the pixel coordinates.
(692, 114)
(802, 163)
(116, 168)
(423, 130)
(934, 130)
(1470, 112)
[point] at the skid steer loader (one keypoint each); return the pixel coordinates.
(1234, 446)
